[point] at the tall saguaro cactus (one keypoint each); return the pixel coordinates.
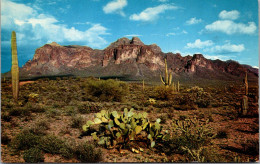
(167, 80)
(246, 85)
(15, 68)
(244, 101)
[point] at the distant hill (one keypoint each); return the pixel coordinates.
(128, 58)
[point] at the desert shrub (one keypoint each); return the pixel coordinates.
(185, 107)
(189, 138)
(5, 139)
(88, 107)
(196, 96)
(68, 150)
(184, 99)
(19, 111)
(40, 127)
(76, 121)
(106, 90)
(163, 93)
(53, 112)
(51, 144)
(205, 154)
(88, 154)
(25, 140)
(33, 155)
(70, 111)
(163, 104)
(193, 133)
(36, 108)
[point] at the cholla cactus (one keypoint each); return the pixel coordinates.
(15, 68)
(167, 81)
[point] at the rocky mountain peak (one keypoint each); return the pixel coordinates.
(119, 42)
(155, 48)
(54, 44)
(136, 41)
(126, 57)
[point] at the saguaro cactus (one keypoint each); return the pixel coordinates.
(15, 68)
(167, 81)
(244, 105)
(246, 85)
(244, 101)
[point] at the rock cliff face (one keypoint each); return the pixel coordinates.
(125, 57)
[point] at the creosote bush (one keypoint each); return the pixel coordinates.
(163, 93)
(106, 90)
(76, 121)
(51, 144)
(25, 140)
(33, 155)
(87, 153)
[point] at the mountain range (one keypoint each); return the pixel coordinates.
(128, 58)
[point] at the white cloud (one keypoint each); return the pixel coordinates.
(42, 28)
(231, 15)
(199, 44)
(132, 35)
(179, 33)
(256, 67)
(192, 21)
(170, 34)
(226, 48)
(220, 57)
(152, 13)
(84, 23)
(184, 32)
(11, 10)
(230, 27)
(115, 6)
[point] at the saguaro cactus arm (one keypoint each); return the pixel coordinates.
(168, 76)
(15, 68)
(162, 79)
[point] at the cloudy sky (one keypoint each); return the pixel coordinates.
(219, 29)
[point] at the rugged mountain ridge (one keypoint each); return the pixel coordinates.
(126, 57)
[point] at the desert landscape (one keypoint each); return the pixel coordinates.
(129, 81)
(183, 118)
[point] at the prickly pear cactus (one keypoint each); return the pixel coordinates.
(122, 128)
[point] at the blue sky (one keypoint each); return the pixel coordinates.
(219, 29)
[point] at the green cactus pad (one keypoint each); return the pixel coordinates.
(98, 115)
(122, 125)
(138, 129)
(97, 121)
(103, 112)
(116, 121)
(85, 128)
(152, 143)
(114, 113)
